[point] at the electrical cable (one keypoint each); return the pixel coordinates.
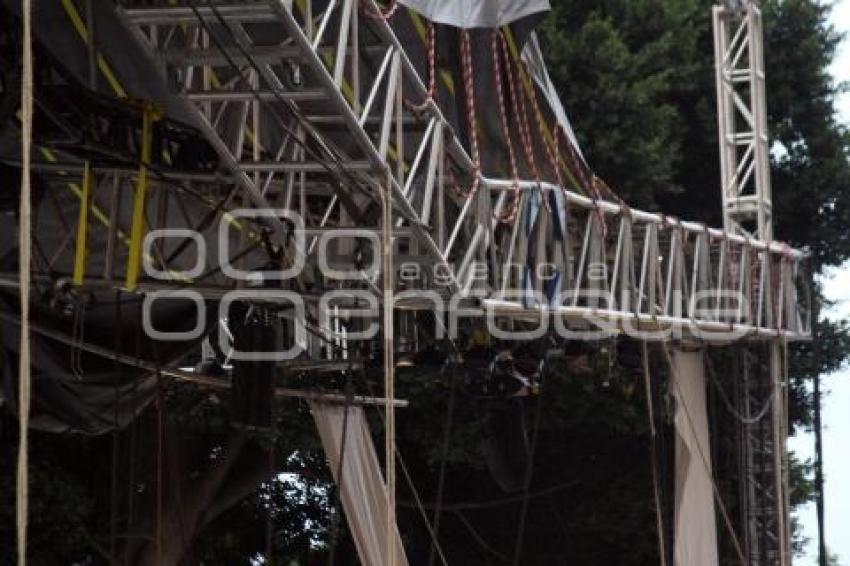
(529, 474)
(493, 503)
(160, 415)
(728, 403)
(656, 488)
(113, 498)
(133, 444)
(478, 539)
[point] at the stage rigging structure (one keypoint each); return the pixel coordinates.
(262, 135)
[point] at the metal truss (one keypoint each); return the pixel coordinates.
(742, 120)
(309, 109)
(747, 211)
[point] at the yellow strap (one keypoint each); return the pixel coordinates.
(82, 250)
(137, 230)
(102, 64)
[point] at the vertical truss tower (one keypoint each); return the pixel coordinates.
(742, 119)
(747, 211)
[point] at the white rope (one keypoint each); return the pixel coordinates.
(389, 374)
(24, 267)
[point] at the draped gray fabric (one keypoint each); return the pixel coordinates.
(477, 13)
(363, 492)
(532, 55)
(695, 536)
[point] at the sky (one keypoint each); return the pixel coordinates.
(836, 404)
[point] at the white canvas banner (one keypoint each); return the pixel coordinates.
(363, 491)
(695, 536)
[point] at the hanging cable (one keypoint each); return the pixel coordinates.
(409, 480)
(743, 419)
(476, 536)
(441, 476)
(529, 472)
(493, 503)
(116, 370)
(24, 261)
(160, 415)
(653, 456)
(133, 441)
(553, 162)
(270, 528)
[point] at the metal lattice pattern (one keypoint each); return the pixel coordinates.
(308, 108)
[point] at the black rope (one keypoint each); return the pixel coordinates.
(653, 456)
(160, 441)
(529, 473)
(743, 419)
(441, 479)
(823, 555)
(409, 480)
(270, 527)
(131, 458)
(476, 536)
(116, 445)
(493, 503)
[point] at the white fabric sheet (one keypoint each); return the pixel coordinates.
(533, 57)
(695, 537)
(364, 495)
(476, 13)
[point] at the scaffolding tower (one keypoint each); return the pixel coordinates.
(747, 211)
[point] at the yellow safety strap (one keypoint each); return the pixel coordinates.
(137, 230)
(82, 250)
(102, 64)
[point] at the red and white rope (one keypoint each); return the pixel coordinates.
(374, 10)
(573, 161)
(510, 214)
(553, 162)
(431, 96)
(520, 111)
(472, 122)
